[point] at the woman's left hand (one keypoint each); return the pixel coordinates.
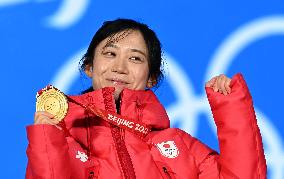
(220, 83)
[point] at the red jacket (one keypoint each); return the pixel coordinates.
(92, 148)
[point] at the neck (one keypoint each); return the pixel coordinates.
(117, 103)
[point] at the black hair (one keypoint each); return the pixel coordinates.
(110, 28)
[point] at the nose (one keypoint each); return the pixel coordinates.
(120, 65)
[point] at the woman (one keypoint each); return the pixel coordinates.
(124, 61)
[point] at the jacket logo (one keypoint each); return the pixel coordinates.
(82, 156)
(168, 149)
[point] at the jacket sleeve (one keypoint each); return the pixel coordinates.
(46, 153)
(241, 149)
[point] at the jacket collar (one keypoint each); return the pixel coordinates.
(141, 105)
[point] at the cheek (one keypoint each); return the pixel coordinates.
(141, 77)
(99, 68)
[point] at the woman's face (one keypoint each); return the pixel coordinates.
(121, 63)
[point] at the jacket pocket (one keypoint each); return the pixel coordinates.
(165, 170)
(92, 172)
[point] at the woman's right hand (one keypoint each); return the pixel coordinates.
(43, 117)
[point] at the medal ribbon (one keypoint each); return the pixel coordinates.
(136, 127)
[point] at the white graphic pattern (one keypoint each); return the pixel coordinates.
(82, 156)
(68, 14)
(168, 149)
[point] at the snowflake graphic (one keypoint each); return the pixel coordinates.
(82, 156)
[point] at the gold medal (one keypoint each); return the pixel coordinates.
(52, 100)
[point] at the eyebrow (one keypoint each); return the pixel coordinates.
(110, 45)
(132, 49)
(139, 51)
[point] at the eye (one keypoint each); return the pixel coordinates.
(136, 59)
(109, 54)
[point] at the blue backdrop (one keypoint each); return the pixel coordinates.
(41, 42)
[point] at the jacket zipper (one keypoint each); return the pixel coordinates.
(122, 133)
(123, 155)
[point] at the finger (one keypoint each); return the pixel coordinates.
(218, 84)
(222, 85)
(215, 86)
(49, 114)
(43, 113)
(211, 82)
(58, 127)
(39, 115)
(39, 120)
(227, 85)
(45, 120)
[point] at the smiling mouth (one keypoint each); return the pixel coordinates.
(118, 82)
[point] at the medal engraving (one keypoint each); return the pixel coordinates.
(53, 101)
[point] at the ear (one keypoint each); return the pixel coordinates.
(151, 82)
(89, 71)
